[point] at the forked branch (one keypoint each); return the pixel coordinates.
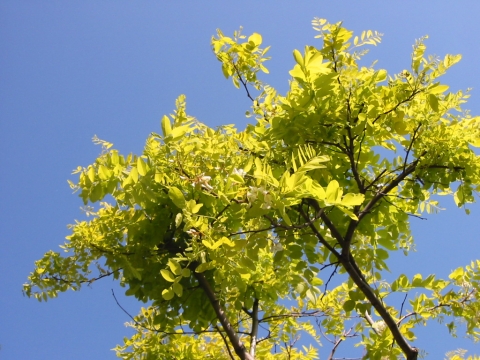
(237, 344)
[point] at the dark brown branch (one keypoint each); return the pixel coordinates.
(329, 279)
(355, 273)
(401, 307)
(315, 313)
(399, 209)
(293, 227)
(254, 334)
(252, 231)
(343, 150)
(353, 165)
(176, 333)
(244, 83)
(237, 344)
(359, 280)
(456, 168)
(412, 95)
(410, 145)
(408, 170)
(440, 305)
(319, 236)
(335, 346)
(128, 314)
(378, 177)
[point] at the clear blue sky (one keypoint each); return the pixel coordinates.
(69, 70)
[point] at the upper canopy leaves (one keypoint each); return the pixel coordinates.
(328, 176)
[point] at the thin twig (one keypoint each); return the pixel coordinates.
(330, 278)
(226, 343)
(59, 279)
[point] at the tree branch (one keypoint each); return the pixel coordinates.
(237, 344)
(351, 267)
(244, 83)
(254, 334)
(89, 281)
(318, 235)
(335, 346)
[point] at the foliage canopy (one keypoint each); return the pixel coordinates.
(232, 237)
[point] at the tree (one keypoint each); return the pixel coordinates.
(227, 234)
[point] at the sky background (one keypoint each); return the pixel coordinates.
(73, 69)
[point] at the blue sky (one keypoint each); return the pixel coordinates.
(70, 70)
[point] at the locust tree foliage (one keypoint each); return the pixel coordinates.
(231, 237)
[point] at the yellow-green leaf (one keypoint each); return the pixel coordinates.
(167, 275)
(314, 163)
(437, 88)
(353, 199)
(255, 38)
(186, 272)
(457, 274)
(177, 197)
(201, 268)
(168, 294)
(91, 173)
(247, 263)
(349, 305)
(333, 193)
(178, 289)
(134, 175)
(298, 57)
(196, 208)
(433, 101)
(166, 126)
(174, 267)
(179, 131)
(141, 166)
(178, 219)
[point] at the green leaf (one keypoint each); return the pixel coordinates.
(314, 163)
(457, 274)
(255, 38)
(196, 208)
(179, 131)
(349, 305)
(186, 272)
(168, 294)
(237, 178)
(134, 174)
(437, 88)
(174, 267)
(103, 172)
(353, 199)
(386, 243)
(202, 267)
(91, 173)
(178, 220)
(166, 126)
(333, 192)
(298, 57)
(178, 289)
(348, 212)
(177, 197)
(167, 275)
(141, 166)
(129, 268)
(433, 101)
(247, 263)
(297, 72)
